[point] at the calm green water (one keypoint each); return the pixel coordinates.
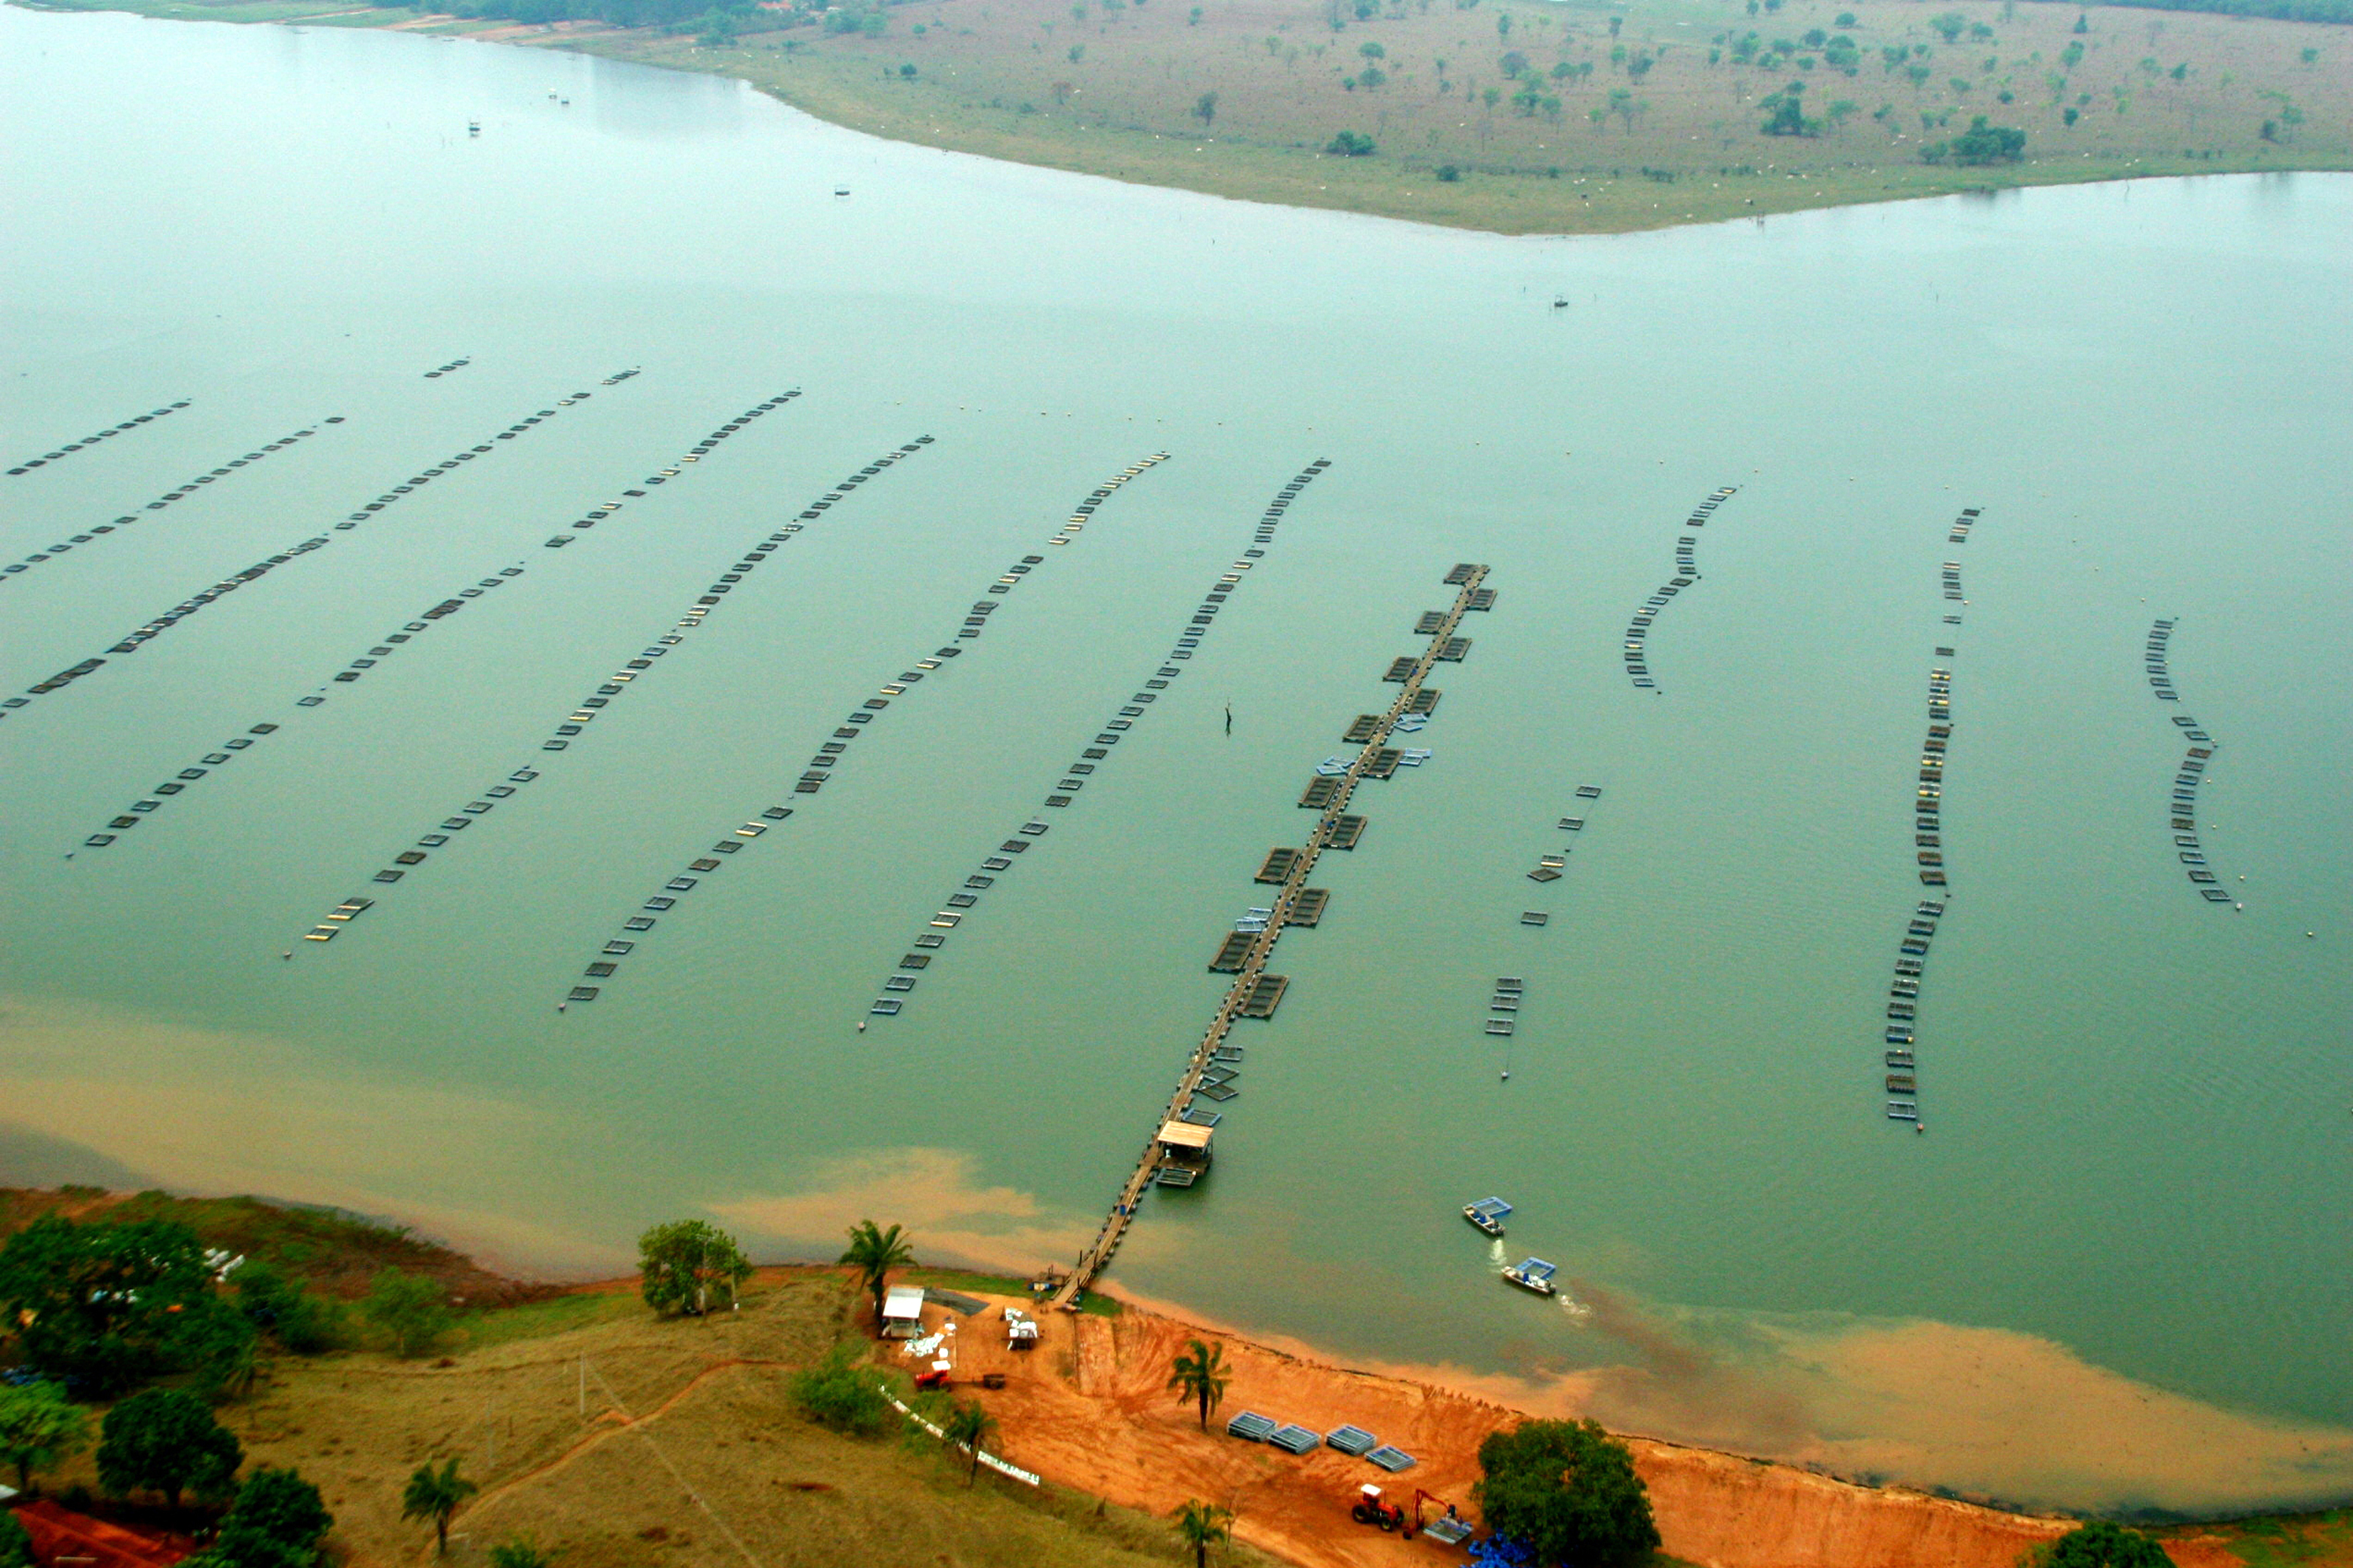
(2114, 1272)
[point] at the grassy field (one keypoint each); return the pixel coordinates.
(627, 1442)
(2295, 1540)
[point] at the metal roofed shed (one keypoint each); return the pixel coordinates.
(1185, 1136)
(1184, 1148)
(903, 1312)
(1295, 1439)
(1251, 1426)
(1351, 1440)
(1392, 1460)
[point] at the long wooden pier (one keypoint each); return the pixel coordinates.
(1098, 1254)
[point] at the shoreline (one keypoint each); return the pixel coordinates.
(838, 89)
(476, 1267)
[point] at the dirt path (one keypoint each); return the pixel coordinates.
(1089, 1408)
(610, 1425)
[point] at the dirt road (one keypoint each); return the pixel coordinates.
(1090, 1408)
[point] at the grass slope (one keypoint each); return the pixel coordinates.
(628, 1441)
(334, 1253)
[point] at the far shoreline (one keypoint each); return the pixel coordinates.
(830, 92)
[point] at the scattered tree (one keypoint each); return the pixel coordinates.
(437, 1495)
(1353, 144)
(839, 1393)
(275, 1306)
(522, 1551)
(2100, 1545)
(220, 1349)
(408, 1311)
(1785, 113)
(1949, 26)
(680, 1263)
(106, 1307)
(966, 1426)
(1568, 1490)
(1198, 1373)
(1984, 143)
(165, 1440)
(15, 1546)
(277, 1521)
(1447, 174)
(874, 1252)
(40, 1427)
(1205, 109)
(1201, 1525)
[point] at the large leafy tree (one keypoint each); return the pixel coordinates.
(106, 1307)
(15, 1546)
(1567, 1490)
(165, 1440)
(435, 1495)
(874, 1252)
(277, 1521)
(408, 1311)
(39, 1427)
(279, 1307)
(1200, 1374)
(682, 1264)
(2102, 1545)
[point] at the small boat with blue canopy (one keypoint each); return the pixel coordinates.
(1487, 1214)
(1534, 1274)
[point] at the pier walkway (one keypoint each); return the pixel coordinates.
(1328, 828)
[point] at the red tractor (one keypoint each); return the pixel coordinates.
(1371, 1508)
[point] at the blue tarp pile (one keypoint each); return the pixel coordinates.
(1501, 1551)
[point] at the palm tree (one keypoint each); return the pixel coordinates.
(968, 1425)
(1200, 1374)
(435, 1495)
(1201, 1525)
(874, 1252)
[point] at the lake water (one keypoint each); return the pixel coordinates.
(2111, 1273)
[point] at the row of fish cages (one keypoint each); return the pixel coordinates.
(1086, 769)
(1900, 1042)
(1928, 794)
(97, 436)
(1686, 573)
(586, 709)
